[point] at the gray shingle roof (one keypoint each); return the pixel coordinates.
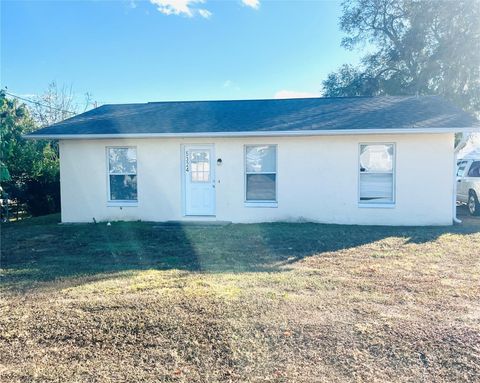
(307, 114)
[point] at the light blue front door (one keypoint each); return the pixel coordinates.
(199, 174)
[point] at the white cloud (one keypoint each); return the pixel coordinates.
(227, 83)
(294, 94)
(255, 4)
(189, 8)
(205, 13)
(181, 7)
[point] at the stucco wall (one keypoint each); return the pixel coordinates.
(317, 180)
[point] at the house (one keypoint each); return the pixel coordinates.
(360, 160)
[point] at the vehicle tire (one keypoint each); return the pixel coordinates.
(473, 204)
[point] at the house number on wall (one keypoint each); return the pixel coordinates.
(187, 159)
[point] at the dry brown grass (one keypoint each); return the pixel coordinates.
(306, 303)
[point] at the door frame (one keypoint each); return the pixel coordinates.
(183, 193)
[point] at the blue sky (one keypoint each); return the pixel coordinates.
(138, 51)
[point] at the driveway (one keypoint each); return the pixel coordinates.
(466, 218)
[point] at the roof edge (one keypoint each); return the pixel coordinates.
(319, 97)
(290, 133)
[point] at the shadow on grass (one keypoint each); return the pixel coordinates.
(41, 250)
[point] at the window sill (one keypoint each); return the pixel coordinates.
(377, 205)
(122, 203)
(261, 204)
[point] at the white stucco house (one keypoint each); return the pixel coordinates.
(361, 160)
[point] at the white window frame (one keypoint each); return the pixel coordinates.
(377, 204)
(117, 202)
(259, 203)
(210, 162)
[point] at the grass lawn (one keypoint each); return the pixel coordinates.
(141, 302)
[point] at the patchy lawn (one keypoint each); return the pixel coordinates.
(142, 302)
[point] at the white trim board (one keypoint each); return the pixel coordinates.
(286, 133)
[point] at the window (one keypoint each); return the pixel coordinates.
(474, 169)
(377, 173)
(261, 173)
(200, 165)
(122, 174)
(461, 165)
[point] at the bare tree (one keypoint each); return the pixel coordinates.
(57, 104)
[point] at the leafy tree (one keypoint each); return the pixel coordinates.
(30, 168)
(17, 155)
(417, 47)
